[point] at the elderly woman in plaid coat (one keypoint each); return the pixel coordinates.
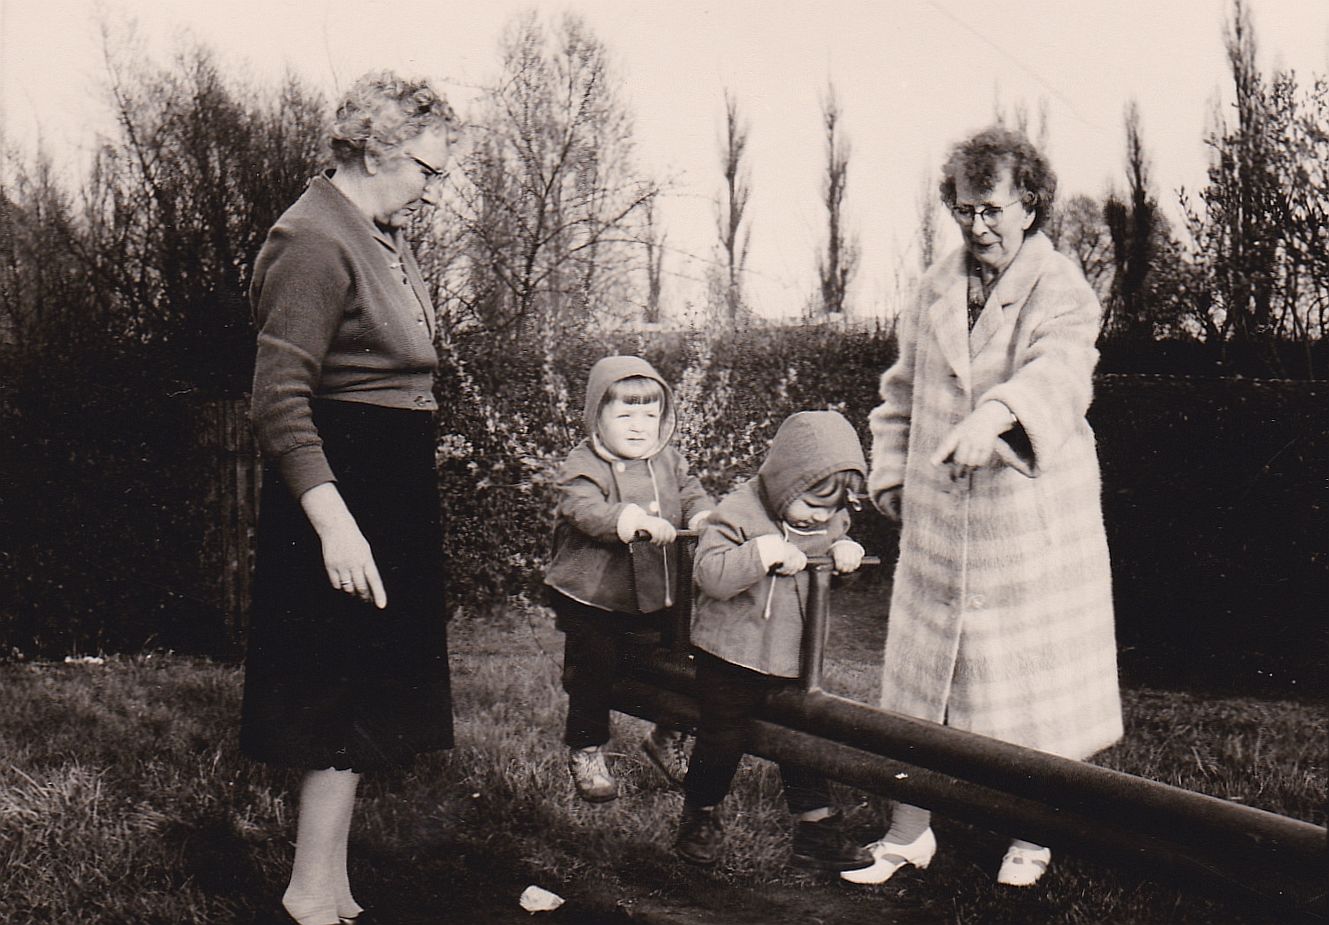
(1001, 616)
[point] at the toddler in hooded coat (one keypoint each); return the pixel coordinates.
(752, 593)
(610, 595)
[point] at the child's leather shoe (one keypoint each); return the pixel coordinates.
(665, 750)
(700, 835)
(823, 845)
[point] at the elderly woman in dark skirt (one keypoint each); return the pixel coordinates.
(1001, 618)
(347, 666)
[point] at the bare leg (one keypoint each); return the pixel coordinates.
(347, 907)
(318, 873)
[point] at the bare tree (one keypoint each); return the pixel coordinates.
(44, 290)
(1084, 236)
(1258, 217)
(552, 210)
(164, 230)
(927, 206)
(1132, 224)
(1017, 118)
(837, 265)
(654, 241)
(734, 237)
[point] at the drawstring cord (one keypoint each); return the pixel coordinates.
(785, 530)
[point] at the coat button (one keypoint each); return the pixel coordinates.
(653, 507)
(619, 467)
(976, 602)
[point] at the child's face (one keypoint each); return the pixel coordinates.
(816, 506)
(630, 431)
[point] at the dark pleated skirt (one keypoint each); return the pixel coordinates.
(331, 681)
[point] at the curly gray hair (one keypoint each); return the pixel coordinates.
(381, 111)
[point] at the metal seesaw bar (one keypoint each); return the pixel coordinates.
(1118, 816)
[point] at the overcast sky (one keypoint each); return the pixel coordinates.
(912, 77)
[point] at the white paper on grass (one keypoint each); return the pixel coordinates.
(535, 899)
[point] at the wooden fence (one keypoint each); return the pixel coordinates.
(233, 485)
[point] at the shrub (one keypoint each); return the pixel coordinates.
(512, 410)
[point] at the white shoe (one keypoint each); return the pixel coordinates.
(888, 857)
(591, 775)
(1023, 866)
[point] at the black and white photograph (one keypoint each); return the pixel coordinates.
(680, 463)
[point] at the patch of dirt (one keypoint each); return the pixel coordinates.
(700, 899)
(712, 902)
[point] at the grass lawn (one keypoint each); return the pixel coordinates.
(123, 799)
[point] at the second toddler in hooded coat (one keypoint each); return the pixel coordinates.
(748, 625)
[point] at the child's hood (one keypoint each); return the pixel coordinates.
(609, 370)
(809, 446)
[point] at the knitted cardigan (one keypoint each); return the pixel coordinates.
(343, 314)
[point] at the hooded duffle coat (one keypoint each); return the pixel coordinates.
(1001, 618)
(590, 563)
(744, 614)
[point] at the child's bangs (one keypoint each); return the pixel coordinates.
(636, 390)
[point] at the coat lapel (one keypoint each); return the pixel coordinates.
(948, 320)
(1011, 290)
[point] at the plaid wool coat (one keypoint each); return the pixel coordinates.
(1001, 617)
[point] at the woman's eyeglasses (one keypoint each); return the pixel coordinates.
(989, 214)
(432, 173)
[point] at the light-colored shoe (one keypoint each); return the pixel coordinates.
(888, 857)
(591, 775)
(1023, 866)
(665, 750)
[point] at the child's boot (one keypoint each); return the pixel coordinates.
(664, 748)
(823, 845)
(591, 775)
(700, 835)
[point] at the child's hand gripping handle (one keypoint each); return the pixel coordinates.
(829, 562)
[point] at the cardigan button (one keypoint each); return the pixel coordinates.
(619, 467)
(976, 602)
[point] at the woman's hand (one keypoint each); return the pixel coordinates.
(972, 443)
(347, 557)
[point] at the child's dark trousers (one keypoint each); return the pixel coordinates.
(597, 645)
(729, 697)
